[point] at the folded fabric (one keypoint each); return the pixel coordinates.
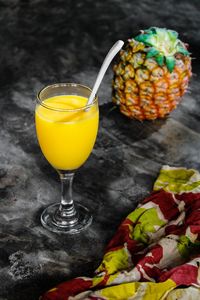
(155, 253)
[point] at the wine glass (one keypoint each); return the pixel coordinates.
(66, 129)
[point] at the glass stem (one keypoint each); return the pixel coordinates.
(66, 214)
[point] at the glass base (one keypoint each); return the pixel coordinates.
(84, 219)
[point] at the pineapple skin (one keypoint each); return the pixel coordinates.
(145, 90)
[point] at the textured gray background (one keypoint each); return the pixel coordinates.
(49, 41)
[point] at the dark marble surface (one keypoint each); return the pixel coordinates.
(49, 41)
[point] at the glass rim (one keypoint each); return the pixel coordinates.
(55, 85)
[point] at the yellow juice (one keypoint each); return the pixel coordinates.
(66, 137)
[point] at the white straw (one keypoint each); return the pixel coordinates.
(109, 57)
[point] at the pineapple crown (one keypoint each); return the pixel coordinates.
(162, 44)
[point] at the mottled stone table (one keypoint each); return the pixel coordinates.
(52, 41)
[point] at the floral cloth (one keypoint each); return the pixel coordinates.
(155, 253)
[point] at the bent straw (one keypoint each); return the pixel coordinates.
(109, 57)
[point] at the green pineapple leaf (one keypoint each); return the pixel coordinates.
(151, 30)
(142, 38)
(182, 50)
(160, 59)
(152, 52)
(173, 35)
(170, 63)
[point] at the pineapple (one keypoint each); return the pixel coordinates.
(152, 74)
